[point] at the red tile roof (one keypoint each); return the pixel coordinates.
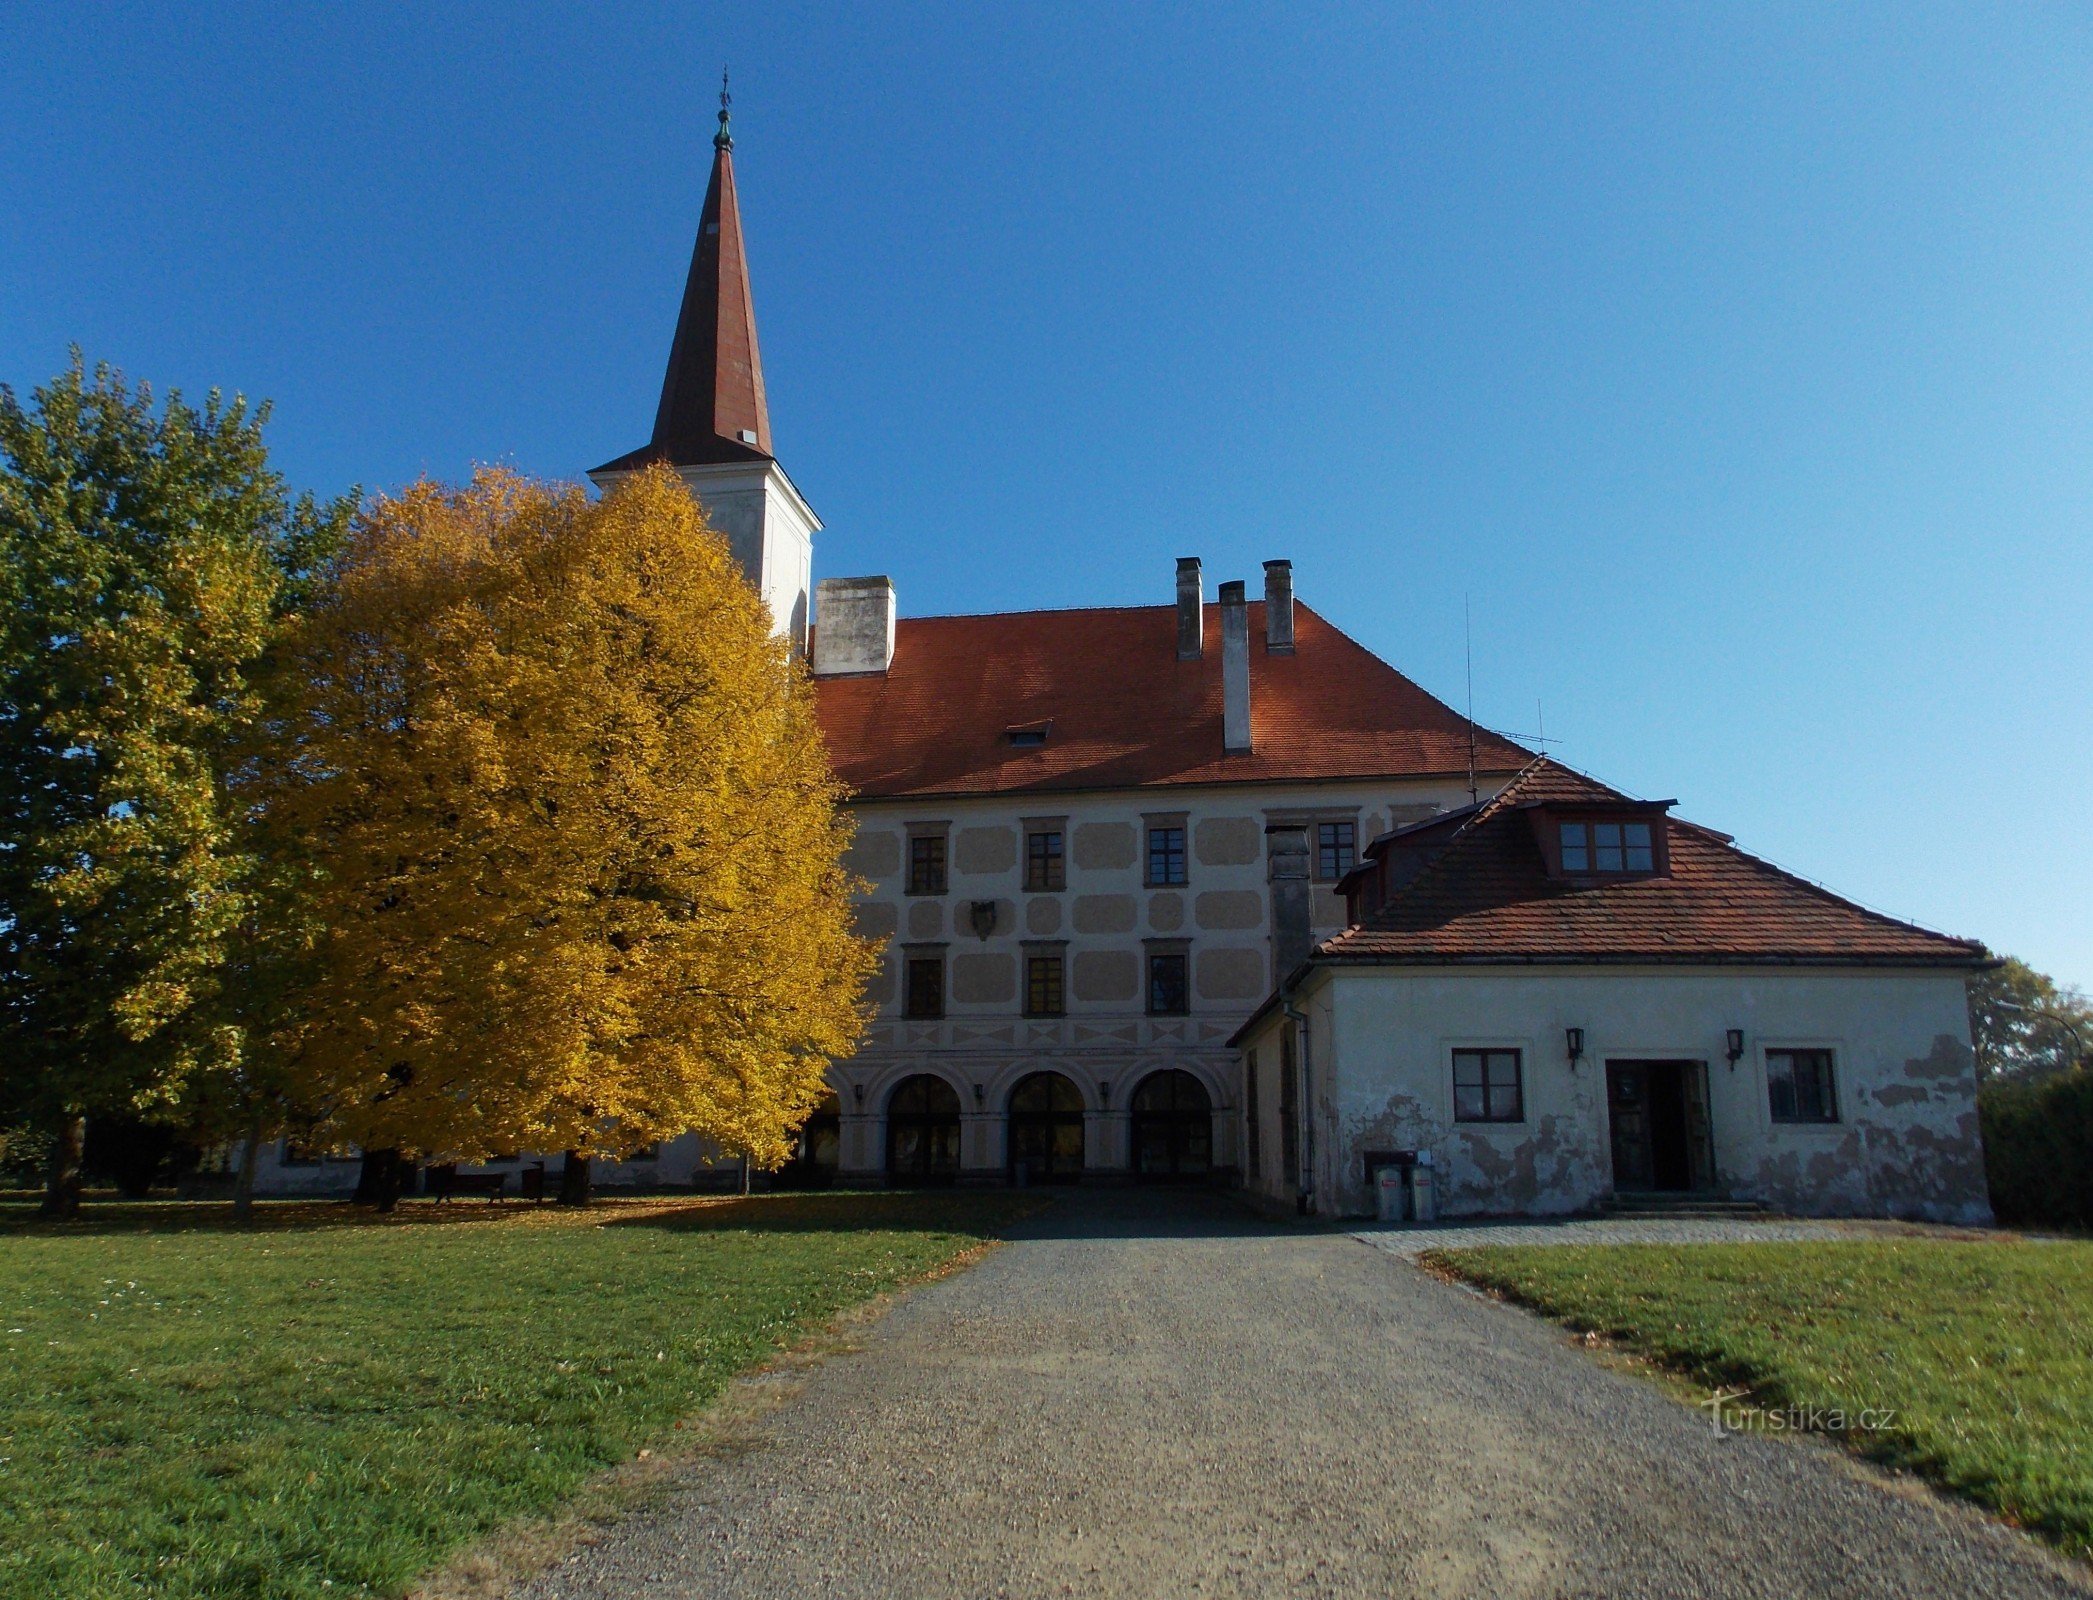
(1126, 713)
(1487, 897)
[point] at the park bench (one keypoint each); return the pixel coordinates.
(443, 1182)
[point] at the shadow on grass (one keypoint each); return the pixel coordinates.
(1084, 1213)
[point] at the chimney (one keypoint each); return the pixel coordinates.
(853, 626)
(1286, 856)
(1235, 670)
(1191, 609)
(1279, 608)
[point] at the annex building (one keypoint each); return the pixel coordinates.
(1205, 890)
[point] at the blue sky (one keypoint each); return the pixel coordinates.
(1734, 364)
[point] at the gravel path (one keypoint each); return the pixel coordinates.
(1147, 1395)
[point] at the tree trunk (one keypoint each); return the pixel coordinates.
(382, 1179)
(574, 1180)
(744, 1176)
(250, 1157)
(62, 1191)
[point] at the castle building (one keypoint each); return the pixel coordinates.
(1204, 890)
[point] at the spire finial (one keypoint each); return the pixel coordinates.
(724, 139)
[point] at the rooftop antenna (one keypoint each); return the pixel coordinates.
(723, 140)
(1468, 637)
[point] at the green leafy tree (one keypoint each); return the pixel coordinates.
(2024, 1024)
(146, 556)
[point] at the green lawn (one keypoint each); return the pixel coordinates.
(1984, 1351)
(330, 1405)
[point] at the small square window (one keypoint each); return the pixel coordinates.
(1043, 986)
(1168, 993)
(1611, 847)
(926, 987)
(1166, 856)
(1799, 1086)
(1045, 869)
(1487, 1086)
(1335, 843)
(926, 864)
(1635, 845)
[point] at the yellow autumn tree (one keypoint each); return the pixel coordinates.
(575, 845)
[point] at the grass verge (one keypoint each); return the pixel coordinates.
(1982, 1353)
(326, 1406)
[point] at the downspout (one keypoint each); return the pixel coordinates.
(1304, 1116)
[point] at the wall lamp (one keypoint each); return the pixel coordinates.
(1734, 1044)
(1573, 1040)
(858, 1089)
(980, 1097)
(1104, 1092)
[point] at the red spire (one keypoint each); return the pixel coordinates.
(712, 406)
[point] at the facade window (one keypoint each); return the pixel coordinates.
(1486, 1086)
(1335, 844)
(926, 987)
(1799, 1086)
(1043, 985)
(1045, 870)
(926, 864)
(1607, 847)
(1166, 854)
(1168, 993)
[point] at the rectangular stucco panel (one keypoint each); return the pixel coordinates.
(1104, 913)
(875, 854)
(926, 919)
(1104, 846)
(1105, 975)
(985, 849)
(876, 919)
(1226, 841)
(979, 980)
(1224, 974)
(1230, 908)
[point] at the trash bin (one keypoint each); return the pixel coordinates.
(1391, 1203)
(1424, 1203)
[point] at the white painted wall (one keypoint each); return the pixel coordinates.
(1906, 1143)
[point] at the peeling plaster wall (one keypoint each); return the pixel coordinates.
(1906, 1143)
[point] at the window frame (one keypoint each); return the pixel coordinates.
(1152, 828)
(1176, 951)
(1051, 866)
(929, 849)
(1830, 1059)
(1486, 1054)
(1350, 847)
(1036, 956)
(925, 957)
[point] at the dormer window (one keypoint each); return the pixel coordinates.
(1026, 735)
(1607, 847)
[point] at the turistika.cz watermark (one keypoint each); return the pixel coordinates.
(1732, 1411)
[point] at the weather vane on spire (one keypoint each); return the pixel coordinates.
(723, 140)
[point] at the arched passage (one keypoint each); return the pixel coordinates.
(922, 1132)
(818, 1150)
(1046, 1130)
(1173, 1131)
